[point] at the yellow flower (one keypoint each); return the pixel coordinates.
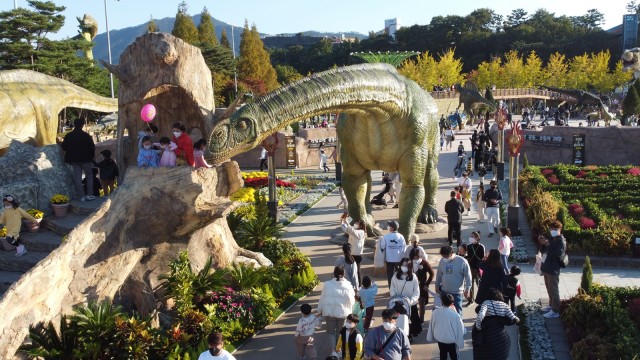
(59, 199)
(246, 195)
(3, 231)
(35, 213)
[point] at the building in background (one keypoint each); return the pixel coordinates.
(393, 25)
(629, 31)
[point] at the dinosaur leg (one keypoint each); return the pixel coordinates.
(429, 213)
(356, 182)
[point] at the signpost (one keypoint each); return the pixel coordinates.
(292, 162)
(578, 150)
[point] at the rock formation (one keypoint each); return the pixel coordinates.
(167, 72)
(120, 249)
(33, 175)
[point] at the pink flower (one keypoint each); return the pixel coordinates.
(546, 172)
(553, 180)
(634, 171)
(586, 223)
(581, 174)
(576, 209)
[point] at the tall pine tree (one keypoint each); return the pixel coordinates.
(152, 26)
(206, 30)
(631, 103)
(255, 62)
(224, 40)
(184, 28)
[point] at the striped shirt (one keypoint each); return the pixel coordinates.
(495, 308)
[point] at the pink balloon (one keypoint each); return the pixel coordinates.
(148, 112)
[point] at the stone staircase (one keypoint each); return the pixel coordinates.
(40, 244)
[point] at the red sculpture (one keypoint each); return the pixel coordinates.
(515, 139)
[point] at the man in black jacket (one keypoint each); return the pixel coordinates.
(79, 151)
(492, 197)
(555, 248)
(454, 210)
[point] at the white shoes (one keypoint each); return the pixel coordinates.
(551, 315)
(546, 309)
(24, 251)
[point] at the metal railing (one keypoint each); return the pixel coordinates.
(509, 93)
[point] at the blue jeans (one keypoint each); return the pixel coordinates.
(457, 300)
(504, 259)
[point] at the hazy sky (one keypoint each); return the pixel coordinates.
(285, 16)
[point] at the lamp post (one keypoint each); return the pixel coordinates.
(15, 4)
(271, 144)
(515, 139)
(501, 120)
(106, 19)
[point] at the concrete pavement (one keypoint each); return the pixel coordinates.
(311, 233)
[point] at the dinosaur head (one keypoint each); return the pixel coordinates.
(631, 61)
(234, 135)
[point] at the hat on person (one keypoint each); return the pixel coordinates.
(106, 153)
(394, 224)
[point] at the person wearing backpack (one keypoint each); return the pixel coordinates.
(513, 288)
(555, 248)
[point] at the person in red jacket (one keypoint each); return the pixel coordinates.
(185, 145)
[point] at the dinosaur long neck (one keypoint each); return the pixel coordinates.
(369, 87)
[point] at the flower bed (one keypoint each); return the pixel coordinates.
(533, 332)
(599, 207)
(603, 323)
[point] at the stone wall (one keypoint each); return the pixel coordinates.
(613, 145)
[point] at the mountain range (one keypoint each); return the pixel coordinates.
(122, 38)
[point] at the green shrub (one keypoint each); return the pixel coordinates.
(587, 276)
(542, 210)
(278, 250)
(253, 234)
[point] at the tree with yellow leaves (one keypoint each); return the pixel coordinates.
(449, 69)
(490, 74)
(255, 63)
(532, 70)
(513, 70)
(555, 73)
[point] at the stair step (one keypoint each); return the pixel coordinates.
(10, 262)
(7, 278)
(44, 240)
(85, 207)
(62, 225)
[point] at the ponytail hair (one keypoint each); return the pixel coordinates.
(346, 250)
(414, 240)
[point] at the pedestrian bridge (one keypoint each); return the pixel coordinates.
(505, 94)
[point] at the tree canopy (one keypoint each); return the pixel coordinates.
(254, 63)
(206, 30)
(184, 28)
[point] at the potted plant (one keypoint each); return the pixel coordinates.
(37, 214)
(60, 204)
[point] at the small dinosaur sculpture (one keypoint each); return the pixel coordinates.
(472, 99)
(584, 98)
(386, 122)
(31, 101)
(88, 30)
(631, 61)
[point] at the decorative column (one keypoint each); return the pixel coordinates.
(336, 157)
(501, 120)
(271, 144)
(515, 139)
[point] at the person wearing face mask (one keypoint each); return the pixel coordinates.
(453, 276)
(184, 143)
(447, 329)
(147, 157)
(493, 197)
(11, 219)
(387, 342)
(555, 248)
(425, 275)
(414, 240)
(216, 349)
(350, 342)
(336, 302)
(475, 254)
(393, 246)
(357, 235)
(405, 284)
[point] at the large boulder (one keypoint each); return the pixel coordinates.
(122, 248)
(34, 174)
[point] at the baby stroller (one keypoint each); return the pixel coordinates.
(401, 306)
(379, 200)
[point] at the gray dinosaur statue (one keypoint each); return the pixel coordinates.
(31, 101)
(386, 122)
(584, 98)
(472, 100)
(631, 61)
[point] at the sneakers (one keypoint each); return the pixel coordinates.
(90, 197)
(546, 309)
(24, 251)
(490, 234)
(83, 199)
(551, 315)
(495, 229)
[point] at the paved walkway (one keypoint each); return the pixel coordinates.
(311, 233)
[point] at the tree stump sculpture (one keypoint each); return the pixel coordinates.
(165, 71)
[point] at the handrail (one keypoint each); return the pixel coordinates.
(506, 93)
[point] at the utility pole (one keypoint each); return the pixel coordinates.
(235, 72)
(106, 18)
(15, 4)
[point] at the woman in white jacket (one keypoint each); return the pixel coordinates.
(336, 302)
(405, 284)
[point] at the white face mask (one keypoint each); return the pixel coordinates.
(348, 325)
(554, 233)
(147, 147)
(417, 263)
(473, 240)
(404, 269)
(388, 326)
(356, 226)
(8, 206)
(177, 133)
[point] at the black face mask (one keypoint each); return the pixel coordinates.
(215, 352)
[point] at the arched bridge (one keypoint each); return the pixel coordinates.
(503, 94)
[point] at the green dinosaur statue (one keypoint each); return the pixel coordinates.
(386, 122)
(88, 30)
(31, 101)
(472, 100)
